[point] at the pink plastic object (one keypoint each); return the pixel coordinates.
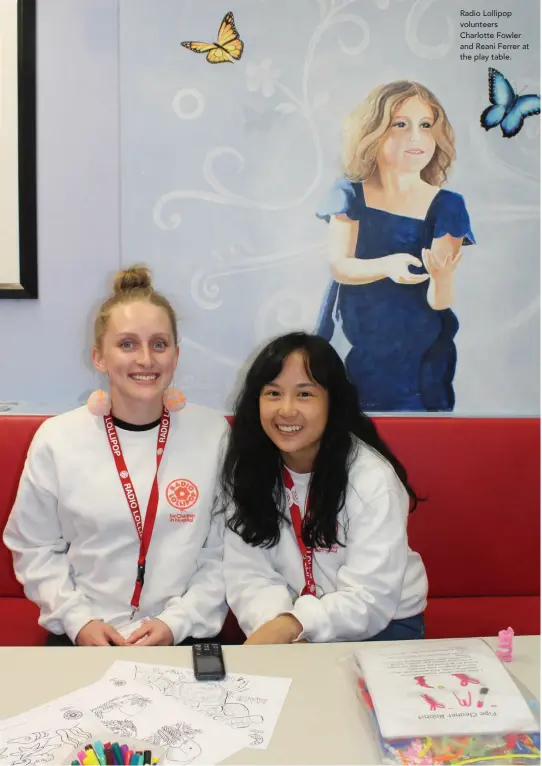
(504, 649)
(99, 403)
(174, 400)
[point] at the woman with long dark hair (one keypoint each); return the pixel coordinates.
(317, 505)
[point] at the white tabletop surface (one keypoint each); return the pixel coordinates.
(321, 722)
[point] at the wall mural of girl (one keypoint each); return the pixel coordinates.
(396, 239)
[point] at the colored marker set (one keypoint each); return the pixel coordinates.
(112, 754)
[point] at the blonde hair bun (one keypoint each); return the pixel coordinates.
(133, 278)
(132, 285)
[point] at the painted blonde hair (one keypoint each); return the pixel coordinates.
(365, 127)
(129, 285)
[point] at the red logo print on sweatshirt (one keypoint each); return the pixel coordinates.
(182, 494)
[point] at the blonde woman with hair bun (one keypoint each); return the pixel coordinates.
(396, 239)
(112, 530)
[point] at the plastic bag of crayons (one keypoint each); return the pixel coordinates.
(451, 750)
(125, 752)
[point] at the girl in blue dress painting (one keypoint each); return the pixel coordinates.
(396, 239)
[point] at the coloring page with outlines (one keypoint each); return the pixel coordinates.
(115, 709)
(248, 704)
(48, 734)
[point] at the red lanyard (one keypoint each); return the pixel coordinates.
(295, 513)
(144, 531)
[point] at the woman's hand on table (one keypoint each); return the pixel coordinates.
(154, 632)
(284, 629)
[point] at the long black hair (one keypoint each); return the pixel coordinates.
(251, 476)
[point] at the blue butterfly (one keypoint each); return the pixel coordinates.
(508, 109)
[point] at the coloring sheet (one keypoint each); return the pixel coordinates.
(47, 734)
(115, 709)
(451, 687)
(127, 709)
(247, 704)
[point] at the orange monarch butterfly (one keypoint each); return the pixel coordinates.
(228, 46)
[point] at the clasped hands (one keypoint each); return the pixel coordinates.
(152, 633)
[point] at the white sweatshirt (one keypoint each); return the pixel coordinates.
(74, 542)
(374, 579)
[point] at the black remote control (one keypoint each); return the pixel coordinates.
(208, 662)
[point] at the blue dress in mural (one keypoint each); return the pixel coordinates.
(402, 355)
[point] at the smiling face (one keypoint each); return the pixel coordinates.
(139, 355)
(293, 413)
(408, 145)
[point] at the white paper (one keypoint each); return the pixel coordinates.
(128, 709)
(47, 734)
(116, 709)
(454, 687)
(248, 704)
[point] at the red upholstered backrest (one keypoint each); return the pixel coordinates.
(478, 532)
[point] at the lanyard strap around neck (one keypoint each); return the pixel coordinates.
(144, 530)
(297, 522)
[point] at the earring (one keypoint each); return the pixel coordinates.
(99, 403)
(174, 399)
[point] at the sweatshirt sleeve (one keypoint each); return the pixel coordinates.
(255, 591)
(201, 611)
(370, 582)
(33, 534)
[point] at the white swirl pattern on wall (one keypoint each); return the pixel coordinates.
(185, 114)
(284, 309)
(205, 289)
(282, 312)
(422, 50)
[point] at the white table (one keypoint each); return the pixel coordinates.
(321, 722)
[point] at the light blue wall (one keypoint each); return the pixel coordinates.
(222, 204)
(248, 260)
(44, 359)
